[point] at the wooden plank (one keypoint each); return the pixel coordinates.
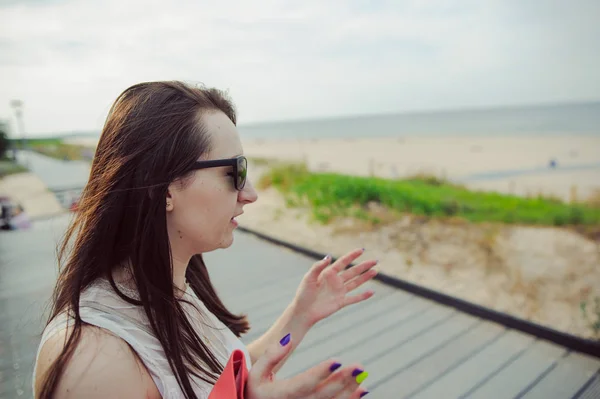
(484, 350)
(252, 264)
(564, 380)
(248, 301)
(250, 260)
(383, 294)
(368, 343)
(267, 310)
(264, 316)
(591, 390)
(244, 284)
(343, 339)
(27, 273)
(352, 312)
(396, 353)
(444, 358)
(262, 324)
(518, 374)
(370, 310)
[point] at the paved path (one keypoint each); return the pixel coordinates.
(412, 347)
(56, 174)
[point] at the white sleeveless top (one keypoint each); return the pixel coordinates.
(100, 306)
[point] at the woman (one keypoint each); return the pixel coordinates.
(144, 321)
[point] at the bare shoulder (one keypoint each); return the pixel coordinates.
(103, 365)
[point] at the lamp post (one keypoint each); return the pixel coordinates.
(17, 105)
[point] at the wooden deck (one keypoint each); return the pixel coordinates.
(412, 347)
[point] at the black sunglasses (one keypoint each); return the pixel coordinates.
(239, 164)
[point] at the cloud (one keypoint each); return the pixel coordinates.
(68, 60)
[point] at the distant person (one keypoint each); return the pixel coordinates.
(167, 182)
(19, 219)
(13, 216)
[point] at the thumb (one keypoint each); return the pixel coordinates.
(265, 365)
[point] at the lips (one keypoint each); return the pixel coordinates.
(233, 219)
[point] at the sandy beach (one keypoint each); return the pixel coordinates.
(522, 160)
(31, 192)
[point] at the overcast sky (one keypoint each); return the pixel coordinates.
(68, 60)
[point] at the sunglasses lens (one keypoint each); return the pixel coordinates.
(242, 169)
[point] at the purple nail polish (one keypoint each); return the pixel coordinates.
(285, 340)
(356, 372)
(335, 366)
(364, 393)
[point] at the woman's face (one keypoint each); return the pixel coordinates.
(200, 212)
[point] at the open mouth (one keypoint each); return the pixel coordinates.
(233, 220)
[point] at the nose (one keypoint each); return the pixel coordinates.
(248, 194)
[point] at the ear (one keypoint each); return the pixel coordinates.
(169, 200)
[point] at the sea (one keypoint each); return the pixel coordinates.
(582, 118)
(559, 119)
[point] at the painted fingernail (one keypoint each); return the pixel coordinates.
(361, 377)
(326, 257)
(356, 372)
(335, 366)
(285, 340)
(364, 393)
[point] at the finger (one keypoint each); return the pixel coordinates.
(319, 266)
(357, 270)
(360, 280)
(351, 300)
(305, 384)
(264, 366)
(345, 260)
(358, 393)
(344, 385)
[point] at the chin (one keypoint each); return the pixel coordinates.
(226, 243)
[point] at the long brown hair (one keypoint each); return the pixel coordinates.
(152, 136)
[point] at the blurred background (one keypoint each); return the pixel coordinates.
(458, 140)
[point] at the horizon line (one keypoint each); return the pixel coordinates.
(309, 119)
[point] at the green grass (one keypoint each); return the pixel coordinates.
(330, 195)
(8, 167)
(60, 151)
(258, 161)
(37, 141)
(53, 147)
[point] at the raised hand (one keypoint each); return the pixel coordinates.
(326, 380)
(326, 287)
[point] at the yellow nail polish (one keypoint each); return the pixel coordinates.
(361, 377)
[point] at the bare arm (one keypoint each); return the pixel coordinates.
(290, 322)
(102, 366)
